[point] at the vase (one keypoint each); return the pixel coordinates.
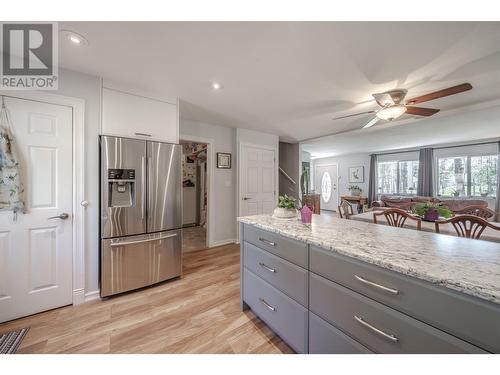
(431, 215)
(306, 215)
(285, 213)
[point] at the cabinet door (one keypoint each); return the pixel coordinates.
(134, 116)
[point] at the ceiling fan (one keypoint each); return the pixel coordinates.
(394, 106)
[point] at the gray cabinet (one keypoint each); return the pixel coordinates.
(286, 276)
(318, 301)
(291, 250)
(376, 326)
(285, 316)
(326, 339)
(469, 318)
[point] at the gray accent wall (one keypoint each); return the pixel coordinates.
(289, 162)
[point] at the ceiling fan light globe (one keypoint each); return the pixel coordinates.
(392, 112)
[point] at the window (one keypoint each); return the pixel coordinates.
(474, 176)
(397, 177)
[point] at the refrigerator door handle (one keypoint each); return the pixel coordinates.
(143, 188)
(115, 244)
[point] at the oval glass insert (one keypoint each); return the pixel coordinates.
(326, 187)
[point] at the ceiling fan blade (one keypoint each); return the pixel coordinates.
(354, 114)
(441, 93)
(420, 111)
(371, 123)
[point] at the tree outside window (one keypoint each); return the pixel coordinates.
(474, 176)
(397, 177)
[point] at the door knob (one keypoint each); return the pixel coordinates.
(62, 216)
(246, 198)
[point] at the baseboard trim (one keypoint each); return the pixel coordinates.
(223, 242)
(90, 296)
(78, 296)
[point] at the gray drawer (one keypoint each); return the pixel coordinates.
(403, 334)
(287, 277)
(285, 316)
(467, 317)
(293, 251)
(326, 339)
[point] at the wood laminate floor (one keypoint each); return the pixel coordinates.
(194, 238)
(198, 313)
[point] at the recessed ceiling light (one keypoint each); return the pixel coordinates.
(74, 38)
(216, 85)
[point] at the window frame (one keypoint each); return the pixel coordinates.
(398, 177)
(468, 174)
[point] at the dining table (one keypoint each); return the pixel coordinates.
(489, 234)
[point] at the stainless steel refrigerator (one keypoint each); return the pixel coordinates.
(141, 213)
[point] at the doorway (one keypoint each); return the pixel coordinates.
(195, 190)
(326, 179)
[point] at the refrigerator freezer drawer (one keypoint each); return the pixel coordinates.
(129, 263)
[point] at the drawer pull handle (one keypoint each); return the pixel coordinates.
(267, 305)
(375, 329)
(267, 242)
(371, 283)
(273, 270)
(143, 134)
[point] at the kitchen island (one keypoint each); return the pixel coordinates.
(340, 286)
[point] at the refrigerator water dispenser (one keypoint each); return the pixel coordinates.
(121, 187)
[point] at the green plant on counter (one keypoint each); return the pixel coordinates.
(284, 201)
(422, 208)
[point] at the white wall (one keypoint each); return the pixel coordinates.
(222, 220)
(343, 163)
(88, 88)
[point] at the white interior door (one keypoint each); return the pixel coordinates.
(36, 250)
(257, 182)
(326, 185)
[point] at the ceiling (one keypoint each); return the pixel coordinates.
(292, 78)
(469, 124)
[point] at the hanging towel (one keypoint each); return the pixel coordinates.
(11, 187)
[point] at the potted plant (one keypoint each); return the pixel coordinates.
(355, 190)
(432, 211)
(286, 207)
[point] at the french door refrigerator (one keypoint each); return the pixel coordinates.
(140, 213)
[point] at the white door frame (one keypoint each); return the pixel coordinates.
(210, 186)
(336, 165)
(79, 203)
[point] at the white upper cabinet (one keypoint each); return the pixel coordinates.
(133, 116)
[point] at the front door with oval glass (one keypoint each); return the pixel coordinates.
(326, 185)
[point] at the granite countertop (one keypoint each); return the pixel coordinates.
(468, 266)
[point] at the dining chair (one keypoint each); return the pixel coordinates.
(468, 226)
(480, 211)
(345, 210)
(396, 217)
